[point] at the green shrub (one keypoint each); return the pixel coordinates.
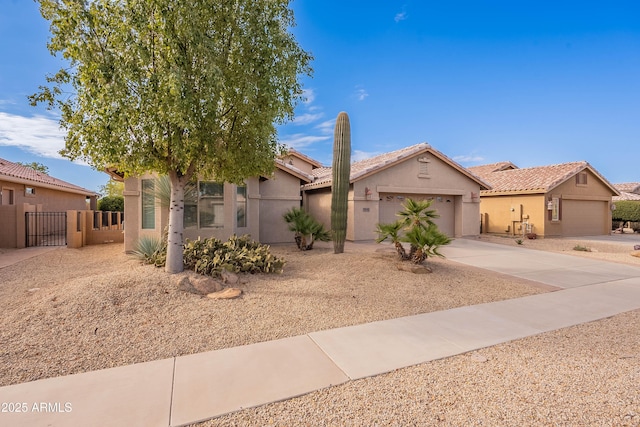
(238, 254)
(581, 248)
(626, 210)
(151, 250)
(111, 203)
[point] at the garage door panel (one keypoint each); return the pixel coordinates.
(583, 217)
(391, 204)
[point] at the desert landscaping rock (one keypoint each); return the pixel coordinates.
(98, 308)
(228, 293)
(229, 278)
(197, 284)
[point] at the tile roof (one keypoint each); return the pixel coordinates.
(628, 187)
(362, 168)
(625, 196)
(14, 172)
(313, 162)
(294, 170)
(540, 179)
(484, 170)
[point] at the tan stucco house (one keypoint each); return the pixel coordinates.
(223, 209)
(379, 185)
(569, 199)
(23, 189)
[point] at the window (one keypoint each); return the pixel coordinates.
(148, 204)
(29, 191)
(211, 204)
(190, 219)
(6, 197)
(581, 178)
(555, 209)
(241, 205)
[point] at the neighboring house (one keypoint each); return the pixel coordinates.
(23, 189)
(378, 187)
(628, 191)
(569, 199)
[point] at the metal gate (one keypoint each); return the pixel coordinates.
(46, 228)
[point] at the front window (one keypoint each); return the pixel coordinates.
(241, 205)
(148, 204)
(211, 204)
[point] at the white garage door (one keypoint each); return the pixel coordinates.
(391, 204)
(584, 217)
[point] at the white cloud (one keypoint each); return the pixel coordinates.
(308, 96)
(326, 127)
(469, 158)
(361, 94)
(305, 119)
(38, 135)
(400, 16)
(300, 140)
(358, 155)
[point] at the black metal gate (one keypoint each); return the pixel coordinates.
(46, 228)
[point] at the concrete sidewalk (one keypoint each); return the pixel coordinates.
(193, 388)
(12, 256)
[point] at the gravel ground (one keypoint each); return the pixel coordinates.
(76, 310)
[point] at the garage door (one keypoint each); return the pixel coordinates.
(584, 217)
(391, 204)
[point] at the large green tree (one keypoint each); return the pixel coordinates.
(182, 88)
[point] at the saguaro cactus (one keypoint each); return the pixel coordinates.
(341, 170)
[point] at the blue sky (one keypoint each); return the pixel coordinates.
(532, 82)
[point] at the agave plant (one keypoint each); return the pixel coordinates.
(151, 250)
(392, 232)
(306, 229)
(162, 191)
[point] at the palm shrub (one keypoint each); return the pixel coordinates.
(426, 241)
(417, 228)
(392, 232)
(306, 228)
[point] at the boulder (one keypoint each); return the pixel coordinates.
(197, 283)
(635, 254)
(229, 278)
(227, 293)
(205, 284)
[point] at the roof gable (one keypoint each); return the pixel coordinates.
(370, 166)
(17, 173)
(286, 167)
(539, 179)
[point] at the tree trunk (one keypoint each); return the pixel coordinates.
(175, 243)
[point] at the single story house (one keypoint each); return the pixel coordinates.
(568, 199)
(23, 189)
(222, 209)
(379, 185)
